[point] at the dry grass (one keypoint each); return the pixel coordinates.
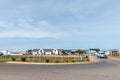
(118, 57)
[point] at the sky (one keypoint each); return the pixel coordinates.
(67, 24)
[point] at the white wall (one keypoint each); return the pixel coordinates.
(55, 51)
(41, 51)
(48, 53)
(34, 53)
(5, 52)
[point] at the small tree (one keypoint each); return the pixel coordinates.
(63, 53)
(80, 52)
(73, 53)
(30, 52)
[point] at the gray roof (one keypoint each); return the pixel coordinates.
(48, 50)
(59, 50)
(68, 51)
(35, 50)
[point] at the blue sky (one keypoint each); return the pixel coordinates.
(66, 24)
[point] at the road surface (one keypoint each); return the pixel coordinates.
(106, 69)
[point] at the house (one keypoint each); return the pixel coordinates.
(41, 51)
(57, 51)
(18, 52)
(46, 51)
(37, 51)
(113, 52)
(5, 52)
(68, 51)
(94, 50)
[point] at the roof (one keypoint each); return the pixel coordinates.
(59, 49)
(48, 50)
(35, 50)
(95, 49)
(68, 51)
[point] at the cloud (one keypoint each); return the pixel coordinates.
(30, 28)
(54, 19)
(24, 28)
(28, 34)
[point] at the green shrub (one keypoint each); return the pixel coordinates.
(47, 60)
(57, 61)
(44, 59)
(87, 58)
(67, 61)
(73, 60)
(13, 59)
(23, 59)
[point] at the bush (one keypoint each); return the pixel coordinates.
(87, 58)
(13, 59)
(23, 59)
(57, 61)
(73, 60)
(67, 61)
(47, 60)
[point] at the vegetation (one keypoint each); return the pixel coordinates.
(63, 58)
(115, 54)
(80, 52)
(44, 58)
(63, 52)
(30, 52)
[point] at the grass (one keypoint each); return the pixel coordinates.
(118, 57)
(115, 55)
(45, 58)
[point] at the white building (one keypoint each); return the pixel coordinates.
(46, 51)
(38, 51)
(5, 52)
(18, 52)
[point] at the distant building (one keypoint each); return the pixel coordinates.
(57, 51)
(5, 52)
(37, 51)
(46, 51)
(115, 51)
(94, 50)
(108, 52)
(18, 52)
(68, 51)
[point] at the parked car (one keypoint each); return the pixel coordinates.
(102, 55)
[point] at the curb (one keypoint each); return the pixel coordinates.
(46, 63)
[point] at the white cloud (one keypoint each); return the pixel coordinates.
(66, 18)
(28, 34)
(26, 29)
(4, 24)
(43, 22)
